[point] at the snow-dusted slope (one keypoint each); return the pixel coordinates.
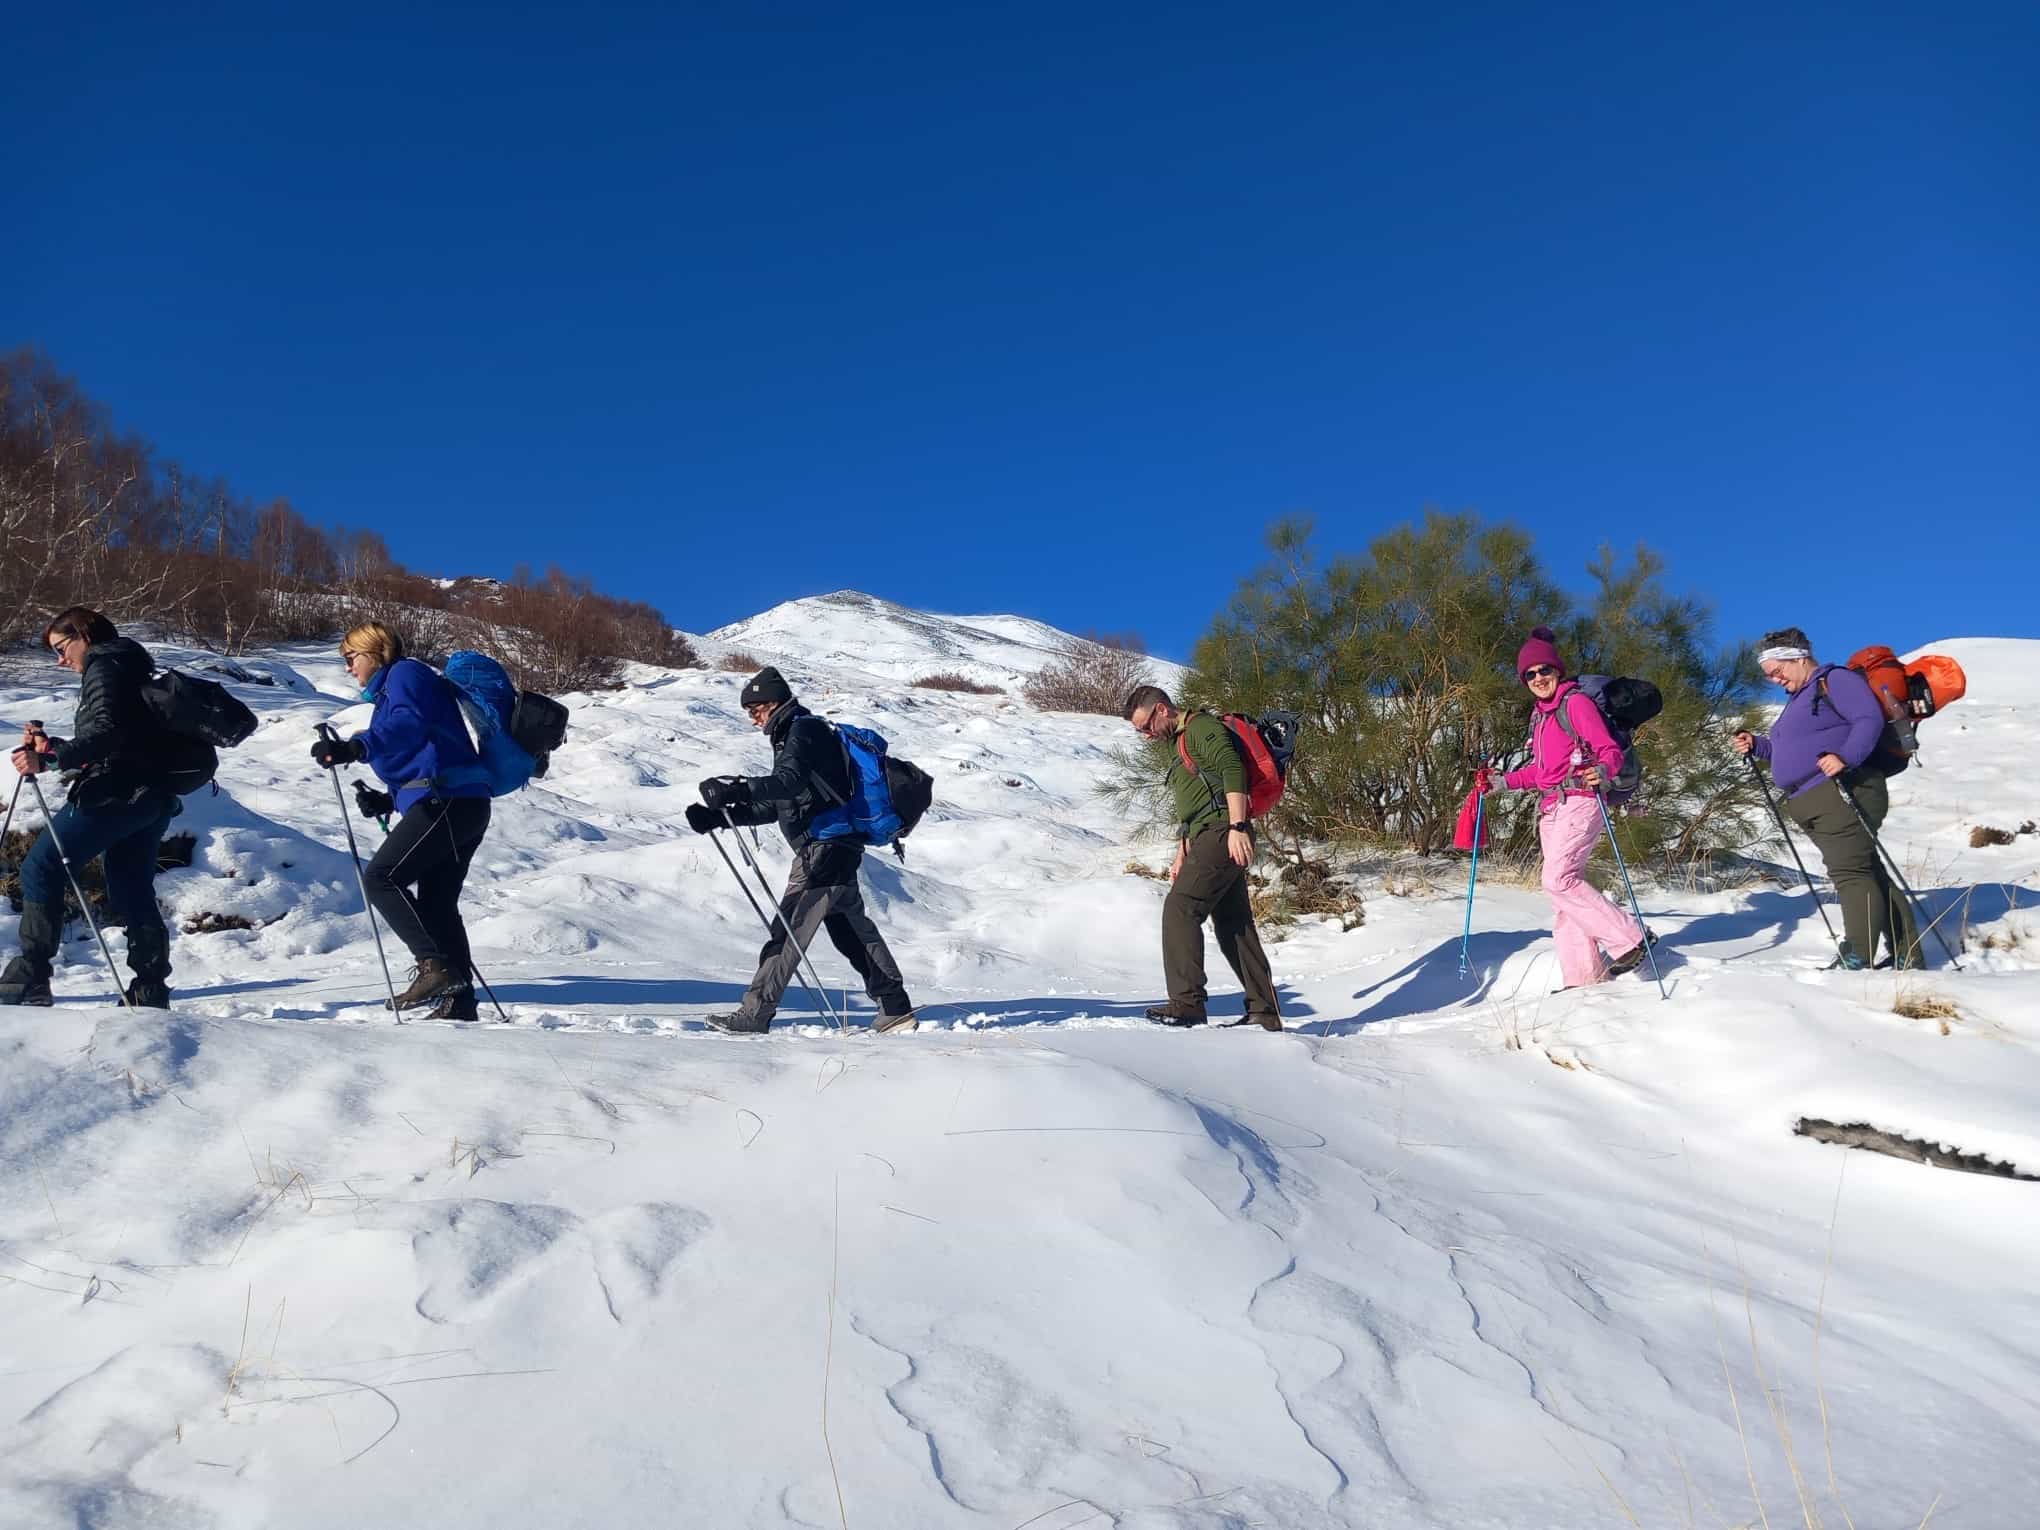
(850, 630)
(1453, 1252)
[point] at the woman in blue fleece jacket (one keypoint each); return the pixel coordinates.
(418, 744)
(1818, 746)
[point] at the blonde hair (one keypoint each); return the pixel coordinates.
(375, 640)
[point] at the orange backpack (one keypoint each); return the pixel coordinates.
(1908, 693)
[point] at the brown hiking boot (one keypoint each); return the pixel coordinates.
(1168, 1014)
(433, 980)
(901, 1022)
(1265, 1022)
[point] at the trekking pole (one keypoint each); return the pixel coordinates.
(476, 973)
(1905, 888)
(1472, 876)
(1841, 946)
(818, 988)
(8, 823)
(775, 922)
(50, 828)
(1649, 950)
(326, 730)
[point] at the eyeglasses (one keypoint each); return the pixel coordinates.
(348, 656)
(1541, 672)
(1146, 725)
(57, 648)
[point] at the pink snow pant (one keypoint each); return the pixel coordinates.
(1568, 829)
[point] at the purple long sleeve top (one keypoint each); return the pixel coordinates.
(1846, 721)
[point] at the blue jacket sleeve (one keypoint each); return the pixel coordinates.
(396, 736)
(1854, 702)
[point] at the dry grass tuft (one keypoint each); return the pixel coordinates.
(738, 664)
(1142, 869)
(1919, 1004)
(1983, 835)
(962, 685)
(1095, 674)
(210, 923)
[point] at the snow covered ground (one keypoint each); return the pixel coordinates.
(1452, 1252)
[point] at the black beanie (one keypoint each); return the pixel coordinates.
(768, 685)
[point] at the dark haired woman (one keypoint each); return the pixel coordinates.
(119, 803)
(1569, 767)
(417, 743)
(1817, 748)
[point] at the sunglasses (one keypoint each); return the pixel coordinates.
(57, 648)
(1541, 672)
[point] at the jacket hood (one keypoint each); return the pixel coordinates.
(127, 656)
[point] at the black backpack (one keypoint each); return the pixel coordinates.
(196, 719)
(538, 726)
(1625, 704)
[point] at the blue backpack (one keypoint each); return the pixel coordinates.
(887, 795)
(488, 701)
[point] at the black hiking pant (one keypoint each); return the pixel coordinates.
(429, 849)
(1211, 887)
(822, 893)
(1871, 905)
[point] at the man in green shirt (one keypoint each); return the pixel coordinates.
(1215, 845)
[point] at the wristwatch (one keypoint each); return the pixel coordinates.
(1239, 828)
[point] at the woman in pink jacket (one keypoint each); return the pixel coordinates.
(1570, 775)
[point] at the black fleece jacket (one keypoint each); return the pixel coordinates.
(805, 752)
(115, 743)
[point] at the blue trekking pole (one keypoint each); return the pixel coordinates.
(1472, 876)
(1649, 949)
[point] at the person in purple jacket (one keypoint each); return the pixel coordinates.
(1569, 775)
(417, 742)
(1818, 746)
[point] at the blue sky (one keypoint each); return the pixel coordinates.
(1053, 309)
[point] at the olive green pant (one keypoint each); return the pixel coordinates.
(1871, 905)
(1211, 887)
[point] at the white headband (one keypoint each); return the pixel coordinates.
(1781, 654)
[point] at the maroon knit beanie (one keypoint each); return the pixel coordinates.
(1541, 649)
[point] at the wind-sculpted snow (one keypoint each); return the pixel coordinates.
(1453, 1252)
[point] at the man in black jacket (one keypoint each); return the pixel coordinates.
(119, 804)
(810, 775)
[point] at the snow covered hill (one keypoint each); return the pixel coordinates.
(851, 630)
(1454, 1251)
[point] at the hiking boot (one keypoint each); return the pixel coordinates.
(148, 993)
(457, 1004)
(432, 979)
(22, 984)
(1265, 1022)
(1169, 1014)
(737, 1023)
(899, 1022)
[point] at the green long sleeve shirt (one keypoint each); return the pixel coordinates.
(1200, 799)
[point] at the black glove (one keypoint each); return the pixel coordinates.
(334, 752)
(726, 792)
(702, 819)
(371, 803)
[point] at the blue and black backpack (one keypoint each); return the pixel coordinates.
(888, 795)
(515, 732)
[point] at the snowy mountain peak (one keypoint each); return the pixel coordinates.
(848, 629)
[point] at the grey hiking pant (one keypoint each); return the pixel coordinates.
(822, 893)
(1211, 887)
(1871, 905)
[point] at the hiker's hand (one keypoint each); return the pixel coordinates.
(1831, 765)
(28, 761)
(1744, 742)
(334, 752)
(371, 803)
(704, 819)
(1176, 866)
(1594, 776)
(1240, 846)
(726, 792)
